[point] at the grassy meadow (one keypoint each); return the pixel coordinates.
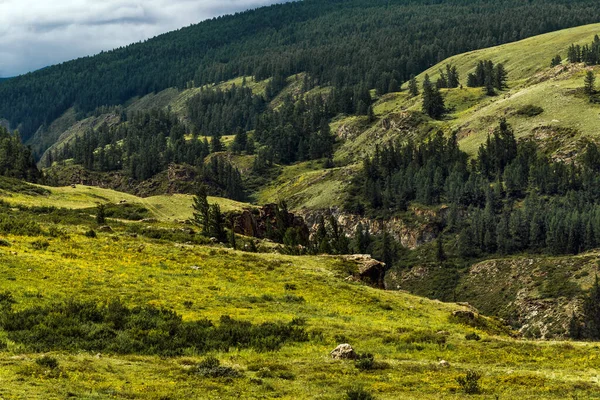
(407, 335)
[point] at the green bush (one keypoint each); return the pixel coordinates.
(359, 394)
(470, 382)
(365, 362)
(116, 328)
(129, 212)
(472, 336)
(530, 110)
(47, 362)
(211, 367)
(40, 244)
(91, 234)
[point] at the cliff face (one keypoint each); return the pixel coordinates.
(267, 221)
(424, 226)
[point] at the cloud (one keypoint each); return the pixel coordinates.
(38, 33)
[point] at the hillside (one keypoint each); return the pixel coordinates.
(403, 332)
(321, 38)
(567, 121)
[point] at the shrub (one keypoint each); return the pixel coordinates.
(530, 110)
(359, 394)
(211, 367)
(40, 244)
(470, 382)
(47, 362)
(129, 212)
(116, 328)
(290, 298)
(91, 234)
(472, 336)
(365, 362)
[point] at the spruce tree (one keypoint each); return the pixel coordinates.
(413, 87)
(500, 77)
(216, 145)
(101, 214)
(201, 210)
(440, 252)
(216, 223)
(589, 83)
(433, 102)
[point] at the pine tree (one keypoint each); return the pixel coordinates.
(216, 145)
(433, 102)
(589, 83)
(489, 86)
(500, 77)
(413, 87)
(101, 214)
(240, 142)
(557, 60)
(216, 223)
(232, 239)
(201, 210)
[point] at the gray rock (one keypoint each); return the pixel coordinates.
(343, 352)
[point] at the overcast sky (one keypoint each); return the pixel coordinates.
(38, 33)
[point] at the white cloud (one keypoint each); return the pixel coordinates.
(38, 33)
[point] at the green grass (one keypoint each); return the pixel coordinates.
(176, 207)
(201, 282)
(531, 82)
(307, 185)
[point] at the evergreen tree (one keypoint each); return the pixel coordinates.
(440, 252)
(413, 87)
(216, 145)
(500, 77)
(589, 83)
(557, 60)
(240, 142)
(201, 210)
(216, 223)
(101, 214)
(433, 102)
(232, 239)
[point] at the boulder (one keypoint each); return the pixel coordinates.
(344, 352)
(444, 364)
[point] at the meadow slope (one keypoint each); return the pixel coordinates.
(402, 331)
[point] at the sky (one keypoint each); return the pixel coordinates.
(39, 33)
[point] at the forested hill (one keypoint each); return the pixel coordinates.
(338, 42)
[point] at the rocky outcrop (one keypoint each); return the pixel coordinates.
(424, 228)
(267, 221)
(370, 271)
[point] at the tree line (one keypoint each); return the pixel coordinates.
(510, 198)
(16, 159)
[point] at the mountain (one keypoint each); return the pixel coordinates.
(330, 40)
